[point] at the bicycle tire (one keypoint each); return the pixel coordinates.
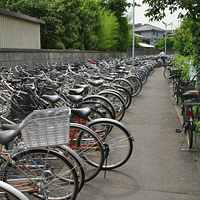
(123, 92)
(136, 84)
(57, 170)
(151, 69)
(124, 83)
(189, 133)
(118, 140)
(77, 161)
(125, 95)
(166, 73)
(102, 100)
(89, 146)
(117, 102)
(11, 193)
(175, 91)
(143, 76)
(94, 105)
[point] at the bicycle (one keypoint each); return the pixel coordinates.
(190, 98)
(117, 139)
(85, 143)
(32, 167)
(9, 192)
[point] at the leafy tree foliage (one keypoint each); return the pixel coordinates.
(119, 7)
(170, 42)
(108, 32)
(75, 24)
(156, 11)
(183, 39)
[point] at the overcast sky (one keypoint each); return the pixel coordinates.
(140, 18)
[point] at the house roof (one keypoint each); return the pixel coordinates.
(17, 15)
(145, 45)
(142, 37)
(148, 27)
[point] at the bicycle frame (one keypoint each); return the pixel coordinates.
(74, 133)
(6, 157)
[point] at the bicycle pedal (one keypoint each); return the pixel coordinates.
(178, 130)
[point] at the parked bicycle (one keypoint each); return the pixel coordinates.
(190, 100)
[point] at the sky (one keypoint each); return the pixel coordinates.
(140, 18)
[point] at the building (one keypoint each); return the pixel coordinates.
(144, 42)
(19, 31)
(150, 32)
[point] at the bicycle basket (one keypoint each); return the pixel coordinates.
(176, 72)
(49, 127)
(184, 86)
(21, 106)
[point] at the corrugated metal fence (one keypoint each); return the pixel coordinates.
(18, 33)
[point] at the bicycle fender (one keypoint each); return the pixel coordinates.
(114, 122)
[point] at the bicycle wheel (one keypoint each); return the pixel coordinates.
(143, 76)
(9, 192)
(117, 102)
(166, 73)
(77, 162)
(175, 90)
(118, 140)
(124, 83)
(49, 175)
(189, 133)
(98, 106)
(125, 94)
(89, 146)
(136, 84)
(102, 100)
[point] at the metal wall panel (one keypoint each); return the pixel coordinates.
(19, 33)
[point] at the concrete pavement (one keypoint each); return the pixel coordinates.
(157, 170)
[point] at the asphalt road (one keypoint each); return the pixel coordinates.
(158, 169)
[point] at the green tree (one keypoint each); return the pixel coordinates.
(183, 39)
(70, 24)
(89, 15)
(119, 7)
(75, 24)
(108, 32)
(170, 42)
(156, 11)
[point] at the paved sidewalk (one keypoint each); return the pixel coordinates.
(157, 170)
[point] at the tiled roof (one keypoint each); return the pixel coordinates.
(148, 27)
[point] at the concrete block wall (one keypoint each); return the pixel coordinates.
(31, 57)
(13, 57)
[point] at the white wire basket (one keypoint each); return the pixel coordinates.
(44, 128)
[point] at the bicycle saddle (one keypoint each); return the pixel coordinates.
(95, 83)
(108, 78)
(74, 98)
(81, 86)
(8, 136)
(83, 113)
(76, 91)
(51, 98)
(10, 127)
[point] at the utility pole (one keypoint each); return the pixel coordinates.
(166, 36)
(133, 45)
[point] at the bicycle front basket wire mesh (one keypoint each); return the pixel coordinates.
(175, 72)
(184, 86)
(49, 127)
